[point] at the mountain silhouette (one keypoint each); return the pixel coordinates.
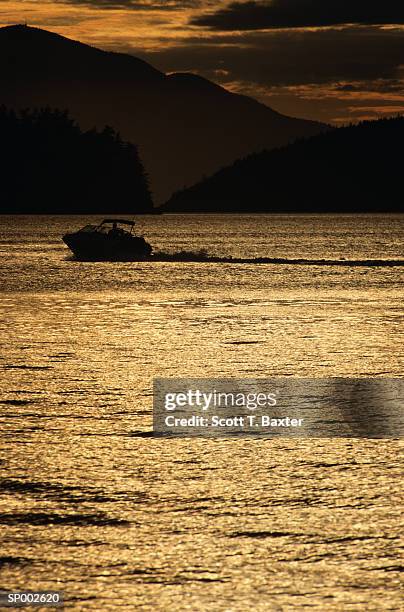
(185, 127)
(349, 169)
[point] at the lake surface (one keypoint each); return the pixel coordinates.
(91, 504)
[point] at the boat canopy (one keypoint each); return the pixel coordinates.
(122, 221)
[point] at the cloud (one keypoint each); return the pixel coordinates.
(317, 74)
(337, 103)
(136, 5)
(288, 58)
(378, 86)
(277, 14)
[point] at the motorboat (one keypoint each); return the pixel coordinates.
(111, 240)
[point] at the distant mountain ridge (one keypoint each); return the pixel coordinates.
(185, 127)
(352, 169)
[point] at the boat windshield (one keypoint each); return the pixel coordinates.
(88, 228)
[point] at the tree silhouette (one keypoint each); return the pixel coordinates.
(351, 169)
(49, 165)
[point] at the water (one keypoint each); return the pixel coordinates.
(94, 506)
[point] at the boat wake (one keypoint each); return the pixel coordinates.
(203, 257)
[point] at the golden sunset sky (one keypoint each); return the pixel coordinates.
(332, 60)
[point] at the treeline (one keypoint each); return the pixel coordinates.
(350, 169)
(48, 165)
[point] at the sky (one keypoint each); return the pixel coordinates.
(337, 61)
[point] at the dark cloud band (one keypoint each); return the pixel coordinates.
(136, 5)
(278, 14)
(285, 58)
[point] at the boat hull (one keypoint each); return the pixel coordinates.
(98, 247)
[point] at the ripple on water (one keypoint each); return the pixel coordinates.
(52, 518)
